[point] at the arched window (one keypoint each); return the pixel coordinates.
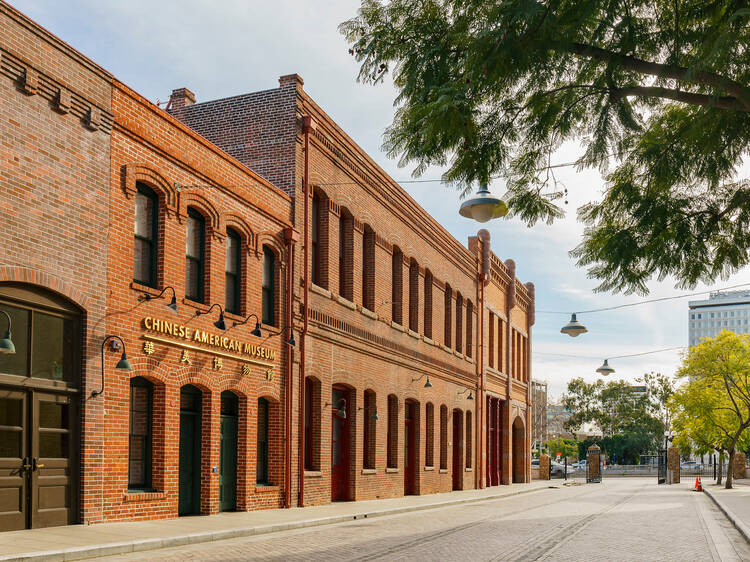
(397, 286)
(195, 255)
(448, 306)
(413, 295)
(369, 438)
(140, 434)
(468, 439)
(269, 286)
(312, 424)
(233, 269)
(459, 323)
(428, 282)
(443, 437)
(261, 471)
(392, 437)
(346, 255)
(146, 231)
(368, 269)
(469, 328)
(429, 456)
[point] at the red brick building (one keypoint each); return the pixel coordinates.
(326, 339)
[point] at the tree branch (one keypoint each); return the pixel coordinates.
(724, 102)
(675, 72)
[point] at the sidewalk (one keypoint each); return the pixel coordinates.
(735, 503)
(76, 542)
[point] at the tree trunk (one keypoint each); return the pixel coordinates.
(718, 470)
(730, 470)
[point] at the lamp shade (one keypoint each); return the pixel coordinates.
(428, 384)
(256, 331)
(483, 206)
(6, 345)
(173, 304)
(573, 328)
(220, 324)
(605, 369)
(341, 413)
(291, 341)
(471, 396)
(123, 364)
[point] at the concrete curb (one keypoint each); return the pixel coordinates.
(110, 549)
(743, 528)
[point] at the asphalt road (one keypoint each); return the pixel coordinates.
(620, 519)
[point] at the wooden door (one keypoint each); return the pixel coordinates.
(458, 471)
(190, 452)
(410, 457)
(228, 464)
(52, 474)
(15, 461)
(339, 447)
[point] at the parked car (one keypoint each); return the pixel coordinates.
(558, 469)
(691, 466)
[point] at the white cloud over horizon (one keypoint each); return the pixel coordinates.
(220, 49)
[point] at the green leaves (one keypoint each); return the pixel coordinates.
(656, 93)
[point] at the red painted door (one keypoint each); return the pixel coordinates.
(458, 469)
(340, 447)
(410, 450)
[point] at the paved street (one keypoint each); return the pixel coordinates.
(621, 519)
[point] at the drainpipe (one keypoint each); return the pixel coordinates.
(484, 279)
(307, 126)
(290, 237)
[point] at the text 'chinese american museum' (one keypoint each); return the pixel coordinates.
(229, 306)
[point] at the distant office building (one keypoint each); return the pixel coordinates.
(538, 413)
(722, 311)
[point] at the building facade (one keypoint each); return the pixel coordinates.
(255, 319)
(539, 426)
(723, 310)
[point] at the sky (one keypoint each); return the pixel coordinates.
(220, 49)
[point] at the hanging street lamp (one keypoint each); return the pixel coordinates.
(573, 328)
(6, 344)
(605, 369)
(483, 206)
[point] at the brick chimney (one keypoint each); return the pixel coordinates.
(181, 97)
(291, 80)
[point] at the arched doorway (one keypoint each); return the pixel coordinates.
(411, 446)
(458, 449)
(341, 423)
(190, 450)
(230, 406)
(39, 413)
(519, 451)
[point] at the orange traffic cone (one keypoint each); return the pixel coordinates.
(698, 487)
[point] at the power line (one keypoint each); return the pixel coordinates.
(643, 302)
(609, 357)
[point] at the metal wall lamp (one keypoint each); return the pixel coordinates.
(291, 340)
(256, 331)
(172, 306)
(427, 384)
(220, 324)
(464, 391)
(122, 365)
(6, 344)
(340, 412)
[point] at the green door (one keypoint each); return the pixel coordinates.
(228, 452)
(190, 451)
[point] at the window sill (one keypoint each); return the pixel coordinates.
(320, 290)
(391, 470)
(275, 330)
(137, 496)
(313, 474)
(458, 354)
(369, 471)
(346, 302)
(446, 348)
(141, 288)
(369, 313)
(468, 469)
(429, 469)
(469, 359)
(429, 340)
(397, 326)
(413, 334)
(195, 304)
(265, 488)
(443, 471)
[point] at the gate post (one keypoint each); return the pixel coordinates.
(739, 465)
(544, 467)
(673, 464)
(594, 464)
